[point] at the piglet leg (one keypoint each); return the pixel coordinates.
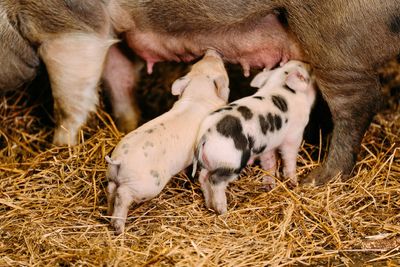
(268, 163)
(218, 197)
(289, 150)
(123, 199)
(74, 62)
(205, 187)
(111, 193)
(120, 78)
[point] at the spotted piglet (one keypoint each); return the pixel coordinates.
(145, 160)
(257, 126)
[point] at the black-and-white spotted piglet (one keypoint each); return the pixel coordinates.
(272, 119)
(146, 159)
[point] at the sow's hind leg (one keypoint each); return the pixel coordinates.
(74, 62)
(353, 98)
(120, 78)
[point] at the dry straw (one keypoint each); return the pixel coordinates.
(52, 206)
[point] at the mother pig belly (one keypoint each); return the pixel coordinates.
(264, 43)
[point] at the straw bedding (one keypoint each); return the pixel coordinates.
(53, 205)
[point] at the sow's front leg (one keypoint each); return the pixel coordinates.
(74, 62)
(353, 98)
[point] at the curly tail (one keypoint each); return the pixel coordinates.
(113, 168)
(198, 151)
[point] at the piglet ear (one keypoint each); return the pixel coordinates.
(179, 85)
(221, 84)
(298, 80)
(260, 79)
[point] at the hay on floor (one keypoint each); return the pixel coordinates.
(53, 205)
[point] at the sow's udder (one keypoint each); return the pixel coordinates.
(263, 45)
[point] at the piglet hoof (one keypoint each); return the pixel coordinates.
(209, 205)
(220, 208)
(321, 176)
(118, 225)
(268, 183)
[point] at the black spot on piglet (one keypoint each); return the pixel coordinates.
(260, 149)
(230, 126)
(222, 109)
(156, 176)
(263, 124)
(250, 139)
(154, 173)
(278, 122)
(245, 158)
(222, 174)
(289, 89)
(258, 97)
(280, 102)
(271, 122)
(246, 112)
